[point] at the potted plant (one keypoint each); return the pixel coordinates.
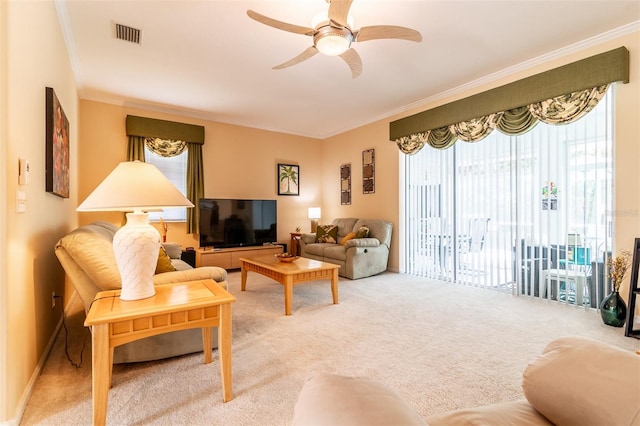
(613, 309)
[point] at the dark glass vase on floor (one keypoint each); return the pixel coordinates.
(613, 310)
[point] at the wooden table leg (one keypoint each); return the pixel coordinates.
(101, 372)
(207, 344)
(334, 286)
(243, 277)
(288, 294)
(224, 351)
(110, 365)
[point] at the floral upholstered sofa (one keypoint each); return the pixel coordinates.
(359, 255)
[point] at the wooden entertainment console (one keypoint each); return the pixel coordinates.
(229, 258)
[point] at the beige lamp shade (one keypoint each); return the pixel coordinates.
(314, 215)
(314, 212)
(134, 185)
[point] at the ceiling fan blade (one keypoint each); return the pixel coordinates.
(279, 24)
(352, 59)
(338, 11)
(376, 32)
(309, 52)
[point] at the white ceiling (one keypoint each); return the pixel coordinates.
(209, 60)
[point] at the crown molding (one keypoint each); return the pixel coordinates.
(523, 66)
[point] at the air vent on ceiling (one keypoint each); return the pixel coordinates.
(126, 33)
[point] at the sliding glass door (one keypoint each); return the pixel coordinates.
(529, 214)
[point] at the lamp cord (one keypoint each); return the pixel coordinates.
(66, 338)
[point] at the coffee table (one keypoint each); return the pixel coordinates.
(290, 274)
(114, 322)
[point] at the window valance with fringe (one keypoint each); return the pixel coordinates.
(168, 139)
(559, 110)
(520, 114)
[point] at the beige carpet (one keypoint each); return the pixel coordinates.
(441, 346)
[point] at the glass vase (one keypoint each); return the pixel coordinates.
(613, 310)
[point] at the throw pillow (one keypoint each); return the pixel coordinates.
(164, 262)
(363, 232)
(327, 234)
(173, 250)
(349, 236)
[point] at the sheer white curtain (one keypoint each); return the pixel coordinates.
(497, 213)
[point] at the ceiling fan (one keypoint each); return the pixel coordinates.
(333, 35)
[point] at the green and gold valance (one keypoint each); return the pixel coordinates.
(163, 129)
(167, 139)
(558, 96)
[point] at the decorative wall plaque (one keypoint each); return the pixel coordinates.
(369, 171)
(345, 184)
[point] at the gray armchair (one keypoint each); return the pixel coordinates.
(358, 257)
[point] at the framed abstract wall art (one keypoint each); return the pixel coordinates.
(369, 171)
(345, 184)
(288, 179)
(57, 146)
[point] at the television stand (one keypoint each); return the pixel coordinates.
(229, 258)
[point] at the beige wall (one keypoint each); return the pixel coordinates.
(384, 203)
(36, 57)
(239, 162)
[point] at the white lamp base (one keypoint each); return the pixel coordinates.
(136, 247)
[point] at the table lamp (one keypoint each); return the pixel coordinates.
(314, 215)
(135, 186)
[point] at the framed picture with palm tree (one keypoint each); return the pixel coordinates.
(288, 179)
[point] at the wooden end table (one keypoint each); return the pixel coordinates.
(295, 243)
(290, 274)
(114, 322)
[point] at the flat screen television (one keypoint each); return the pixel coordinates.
(228, 223)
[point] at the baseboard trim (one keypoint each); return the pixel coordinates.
(24, 399)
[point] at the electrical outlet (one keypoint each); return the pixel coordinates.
(53, 299)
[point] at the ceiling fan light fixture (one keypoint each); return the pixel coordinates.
(333, 41)
(332, 34)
